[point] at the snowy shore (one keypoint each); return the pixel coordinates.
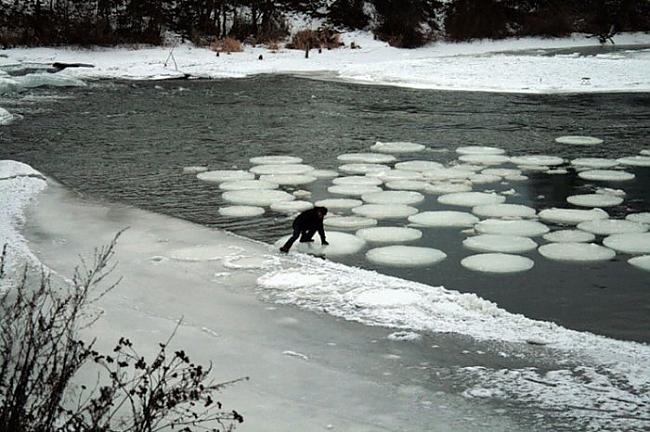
(511, 65)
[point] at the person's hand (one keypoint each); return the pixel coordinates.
(325, 242)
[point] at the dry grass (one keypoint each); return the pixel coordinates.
(321, 38)
(228, 45)
(273, 46)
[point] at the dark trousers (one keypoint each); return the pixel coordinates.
(305, 236)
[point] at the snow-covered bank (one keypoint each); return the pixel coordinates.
(499, 66)
(173, 268)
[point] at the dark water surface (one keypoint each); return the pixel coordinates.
(128, 142)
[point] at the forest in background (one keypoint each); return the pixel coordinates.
(402, 23)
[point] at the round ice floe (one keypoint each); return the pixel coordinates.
(569, 236)
(499, 243)
(288, 179)
(484, 159)
(611, 191)
(405, 256)
(578, 140)
(189, 169)
(444, 188)
(275, 160)
(339, 203)
(371, 158)
(220, 176)
(484, 178)
(201, 253)
(643, 217)
(523, 228)
(282, 169)
(641, 262)
(497, 263)
(363, 168)
(248, 262)
(349, 222)
(594, 163)
(571, 216)
(260, 198)
(413, 185)
(394, 175)
(386, 297)
(606, 175)
(339, 244)
(393, 197)
(479, 150)
(642, 161)
(389, 234)
(501, 172)
(323, 173)
(353, 190)
(515, 178)
(357, 180)
(291, 207)
(396, 147)
(288, 280)
(447, 174)
(247, 185)
(385, 211)
(444, 219)
(533, 168)
(472, 168)
(576, 252)
(504, 211)
(241, 211)
(631, 243)
(612, 226)
(537, 160)
(418, 165)
(301, 194)
(594, 200)
(558, 171)
(645, 152)
(471, 199)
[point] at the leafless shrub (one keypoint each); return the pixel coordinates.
(321, 38)
(227, 44)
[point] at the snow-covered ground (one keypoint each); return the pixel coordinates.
(481, 66)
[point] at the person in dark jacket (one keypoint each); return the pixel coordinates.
(305, 226)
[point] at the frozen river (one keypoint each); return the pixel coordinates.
(127, 142)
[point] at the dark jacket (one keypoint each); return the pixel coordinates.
(310, 220)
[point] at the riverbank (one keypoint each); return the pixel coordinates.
(512, 65)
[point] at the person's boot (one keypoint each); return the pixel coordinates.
(284, 249)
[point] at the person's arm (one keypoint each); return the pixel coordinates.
(321, 232)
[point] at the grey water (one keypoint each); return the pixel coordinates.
(128, 141)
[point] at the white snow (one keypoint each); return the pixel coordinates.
(363, 168)
(405, 256)
(641, 262)
(291, 207)
(612, 226)
(247, 185)
(630, 243)
(349, 222)
(596, 163)
(499, 243)
(606, 175)
(504, 211)
(393, 197)
(594, 200)
(389, 234)
(288, 279)
(418, 165)
(260, 198)
(542, 160)
(352, 189)
(339, 244)
(643, 217)
(214, 252)
(397, 147)
(640, 161)
(357, 180)
(471, 199)
(497, 263)
(293, 169)
(578, 140)
(47, 79)
(571, 216)
(579, 252)
(249, 262)
(220, 176)
(5, 117)
(569, 236)
(275, 160)
(371, 158)
(339, 203)
(442, 219)
(241, 211)
(523, 228)
(385, 211)
(288, 179)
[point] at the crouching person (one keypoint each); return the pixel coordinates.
(305, 226)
